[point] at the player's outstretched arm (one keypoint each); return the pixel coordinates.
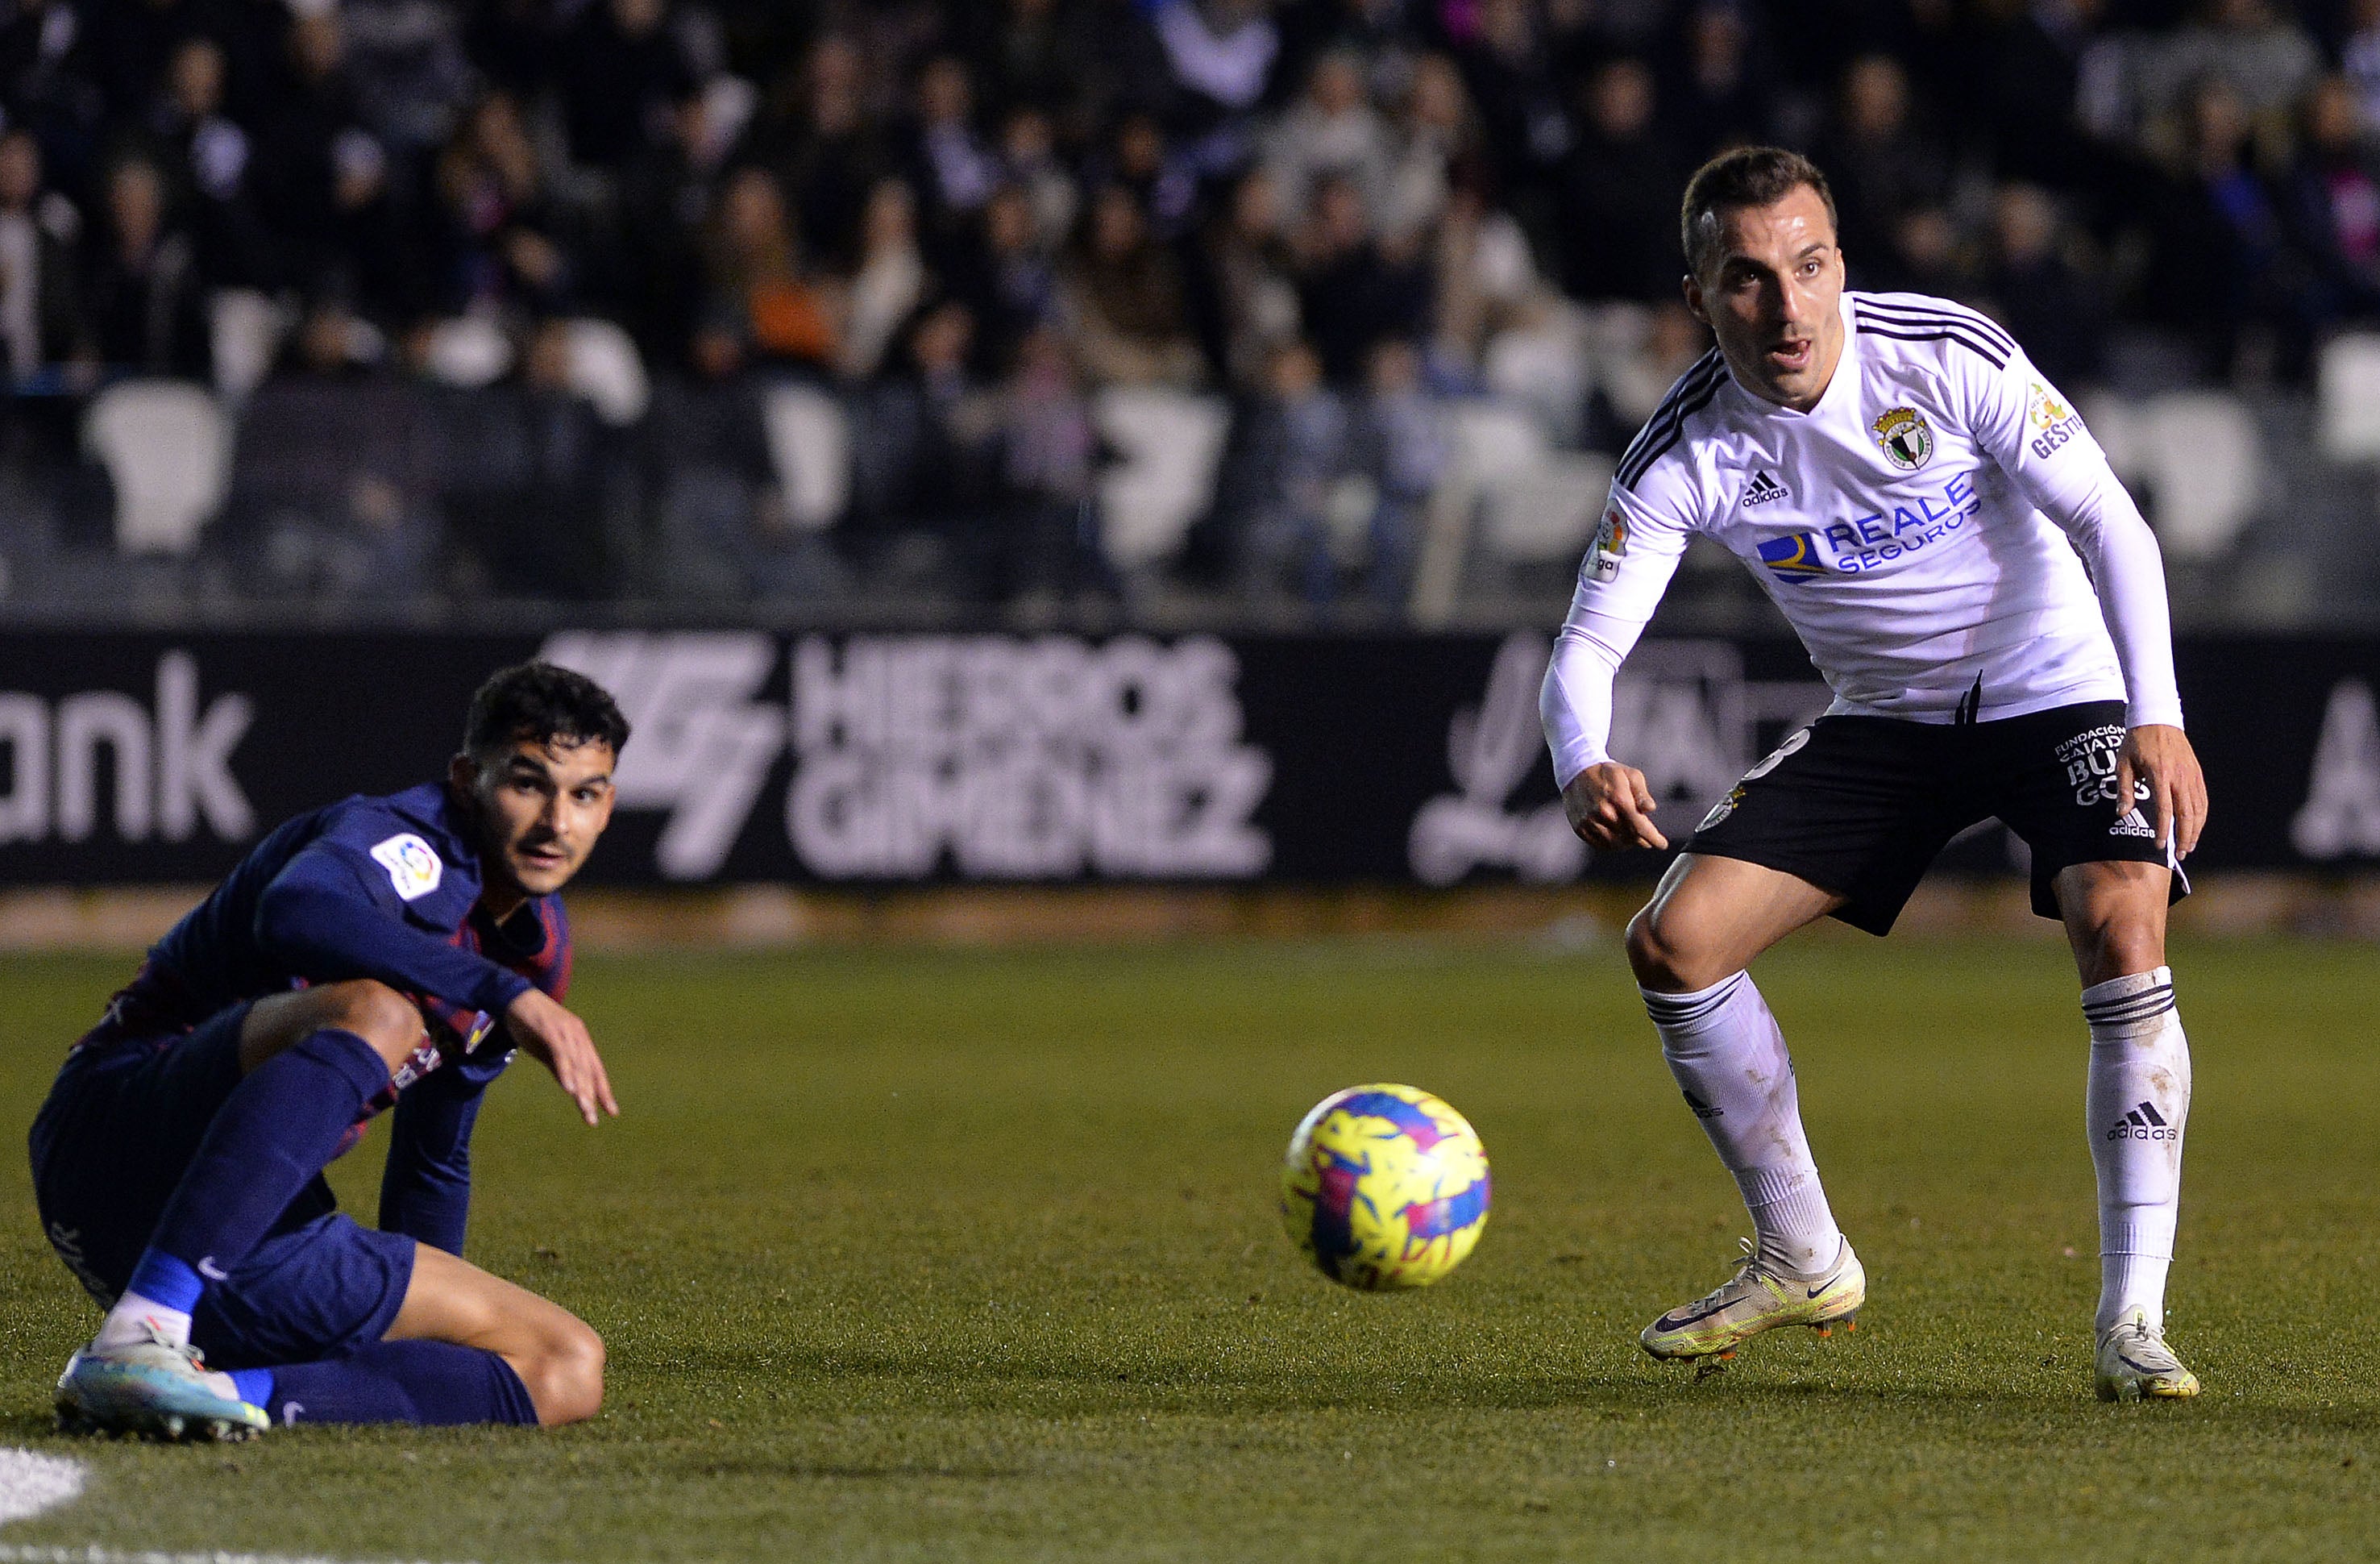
(1610, 806)
(561, 1042)
(2160, 755)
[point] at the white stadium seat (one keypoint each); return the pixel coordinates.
(606, 369)
(245, 329)
(166, 446)
(1170, 442)
(468, 351)
(809, 444)
(2349, 393)
(1545, 514)
(2197, 458)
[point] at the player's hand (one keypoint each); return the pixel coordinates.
(1609, 806)
(560, 1041)
(2161, 757)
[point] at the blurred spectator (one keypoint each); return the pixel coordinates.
(1251, 278)
(1220, 52)
(323, 179)
(664, 208)
(210, 157)
(2359, 59)
(830, 152)
(761, 308)
(413, 82)
(922, 434)
(1331, 129)
(949, 165)
(40, 316)
(1621, 218)
(889, 282)
(1399, 444)
(619, 70)
(1046, 547)
(1487, 283)
(46, 80)
(2026, 77)
(1521, 100)
(1436, 134)
(504, 238)
(2049, 305)
(1029, 161)
(1637, 376)
(1353, 291)
(1006, 279)
(2263, 54)
(1037, 54)
(1288, 450)
(525, 502)
(1717, 98)
(1883, 168)
(1141, 161)
(2331, 200)
(143, 298)
(1123, 294)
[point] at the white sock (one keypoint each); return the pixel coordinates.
(1731, 1062)
(2138, 1099)
(129, 1323)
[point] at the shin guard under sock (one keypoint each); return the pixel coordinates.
(420, 1382)
(1731, 1061)
(279, 1128)
(2138, 1099)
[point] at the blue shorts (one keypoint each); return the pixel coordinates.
(122, 1120)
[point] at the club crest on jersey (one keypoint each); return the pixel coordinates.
(1906, 440)
(1610, 546)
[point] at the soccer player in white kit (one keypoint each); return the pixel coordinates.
(1989, 609)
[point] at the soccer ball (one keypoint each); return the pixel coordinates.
(1384, 1186)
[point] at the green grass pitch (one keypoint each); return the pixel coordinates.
(908, 1254)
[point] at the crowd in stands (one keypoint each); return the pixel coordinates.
(966, 221)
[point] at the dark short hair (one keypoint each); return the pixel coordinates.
(545, 705)
(1745, 177)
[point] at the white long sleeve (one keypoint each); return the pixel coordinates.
(2128, 573)
(1575, 702)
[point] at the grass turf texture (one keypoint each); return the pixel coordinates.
(933, 1255)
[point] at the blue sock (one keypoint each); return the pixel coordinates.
(161, 1279)
(277, 1130)
(255, 1385)
(424, 1381)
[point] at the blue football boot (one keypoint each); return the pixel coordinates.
(154, 1389)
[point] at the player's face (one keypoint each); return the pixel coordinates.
(541, 808)
(1774, 298)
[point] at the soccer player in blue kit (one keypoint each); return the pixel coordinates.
(361, 958)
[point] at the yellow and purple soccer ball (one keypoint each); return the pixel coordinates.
(1384, 1186)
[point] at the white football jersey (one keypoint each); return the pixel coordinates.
(1899, 524)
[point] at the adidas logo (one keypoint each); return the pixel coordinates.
(2133, 823)
(2143, 1123)
(1763, 488)
(1702, 1109)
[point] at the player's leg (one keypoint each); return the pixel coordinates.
(310, 1062)
(464, 1346)
(1689, 949)
(2137, 1100)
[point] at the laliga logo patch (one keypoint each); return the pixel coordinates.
(412, 867)
(1610, 546)
(1906, 440)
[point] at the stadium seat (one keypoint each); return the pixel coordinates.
(1543, 515)
(2348, 393)
(606, 369)
(809, 446)
(1545, 368)
(468, 351)
(245, 328)
(166, 446)
(2197, 458)
(1170, 442)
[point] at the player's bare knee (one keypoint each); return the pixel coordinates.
(562, 1371)
(378, 1014)
(1661, 960)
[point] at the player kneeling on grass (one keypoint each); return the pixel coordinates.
(1989, 608)
(360, 959)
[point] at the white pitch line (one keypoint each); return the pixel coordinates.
(30, 1484)
(12, 1554)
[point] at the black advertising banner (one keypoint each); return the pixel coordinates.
(880, 759)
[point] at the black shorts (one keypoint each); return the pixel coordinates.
(1861, 805)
